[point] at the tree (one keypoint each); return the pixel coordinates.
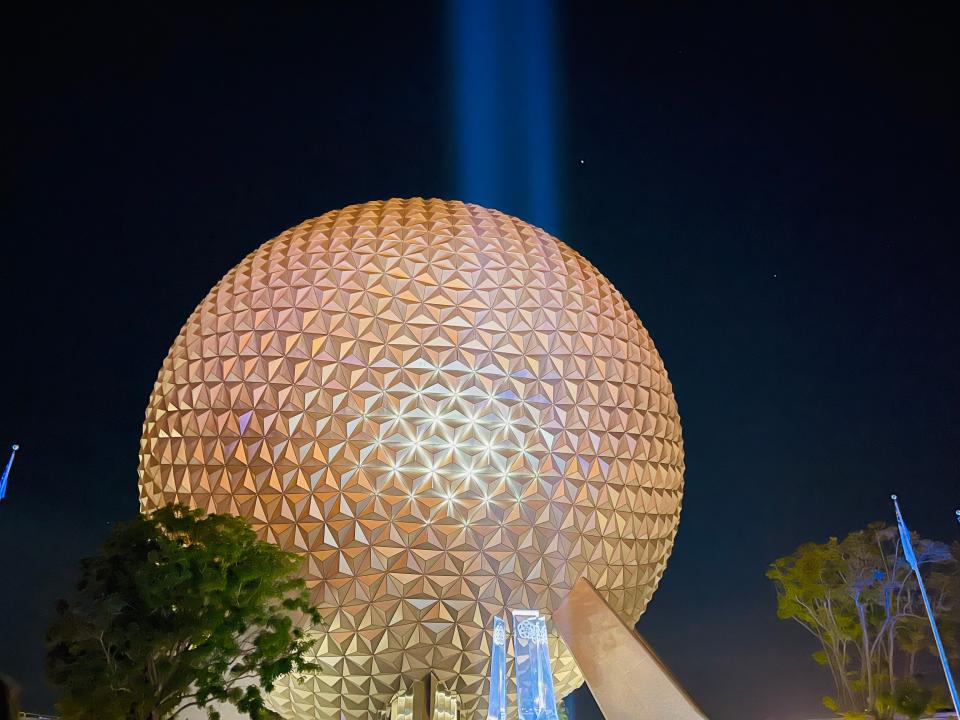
(179, 610)
(861, 601)
(9, 699)
(912, 699)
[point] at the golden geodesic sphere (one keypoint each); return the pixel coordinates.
(448, 412)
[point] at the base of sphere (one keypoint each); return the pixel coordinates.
(427, 699)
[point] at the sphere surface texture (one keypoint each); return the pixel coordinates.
(448, 412)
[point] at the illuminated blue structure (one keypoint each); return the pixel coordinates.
(545, 690)
(504, 106)
(911, 557)
(497, 706)
(6, 472)
(536, 698)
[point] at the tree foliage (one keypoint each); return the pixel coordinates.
(178, 610)
(860, 599)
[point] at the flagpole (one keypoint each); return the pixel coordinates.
(6, 471)
(912, 560)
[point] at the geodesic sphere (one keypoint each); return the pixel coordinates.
(448, 412)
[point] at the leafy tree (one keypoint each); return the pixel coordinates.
(912, 699)
(179, 610)
(860, 599)
(9, 699)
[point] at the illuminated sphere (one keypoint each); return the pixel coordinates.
(448, 412)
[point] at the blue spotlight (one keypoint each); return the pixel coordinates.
(505, 115)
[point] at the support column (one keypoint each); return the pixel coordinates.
(628, 681)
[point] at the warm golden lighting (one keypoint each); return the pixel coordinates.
(448, 412)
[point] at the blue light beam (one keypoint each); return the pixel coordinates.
(505, 115)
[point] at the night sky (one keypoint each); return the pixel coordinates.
(774, 190)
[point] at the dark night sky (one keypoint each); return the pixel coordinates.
(774, 190)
